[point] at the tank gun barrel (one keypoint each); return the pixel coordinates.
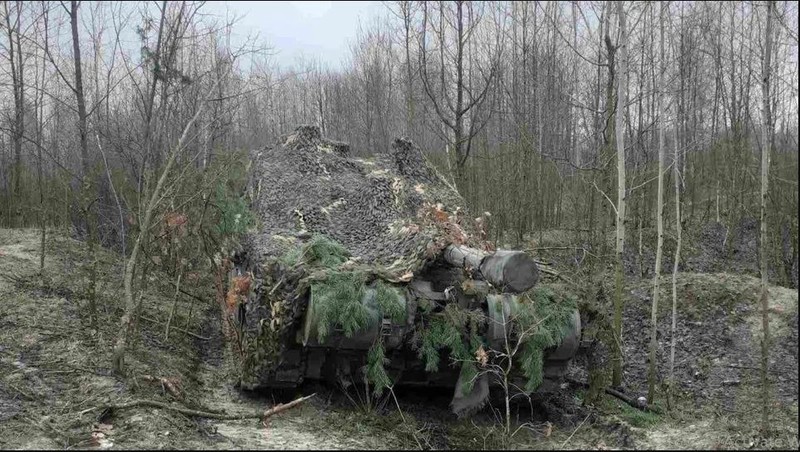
(507, 270)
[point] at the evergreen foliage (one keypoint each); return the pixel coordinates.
(338, 301)
(546, 317)
(320, 251)
(543, 316)
(376, 372)
(390, 302)
(454, 329)
(234, 215)
(437, 335)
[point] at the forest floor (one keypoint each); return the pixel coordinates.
(56, 381)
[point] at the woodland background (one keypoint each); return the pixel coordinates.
(530, 87)
(126, 122)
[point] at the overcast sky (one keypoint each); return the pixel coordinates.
(312, 29)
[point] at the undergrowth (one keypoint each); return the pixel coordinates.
(64, 365)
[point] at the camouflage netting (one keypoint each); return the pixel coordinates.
(392, 211)
(331, 224)
(347, 259)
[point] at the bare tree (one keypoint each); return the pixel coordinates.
(651, 372)
(619, 281)
(676, 176)
(405, 12)
(131, 305)
(462, 21)
(13, 32)
(766, 139)
(41, 86)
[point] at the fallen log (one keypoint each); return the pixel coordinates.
(285, 406)
(624, 397)
(206, 414)
(510, 271)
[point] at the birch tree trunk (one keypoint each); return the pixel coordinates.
(766, 130)
(41, 84)
(678, 231)
(616, 379)
(651, 371)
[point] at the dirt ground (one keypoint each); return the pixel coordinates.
(56, 381)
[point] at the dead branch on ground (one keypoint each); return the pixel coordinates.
(206, 414)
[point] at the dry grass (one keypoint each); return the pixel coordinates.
(53, 364)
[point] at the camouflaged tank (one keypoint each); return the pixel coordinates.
(372, 271)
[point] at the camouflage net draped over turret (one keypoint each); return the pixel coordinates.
(393, 211)
(351, 267)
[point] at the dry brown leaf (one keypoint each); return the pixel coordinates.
(438, 213)
(481, 356)
(455, 233)
(231, 299)
(432, 249)
(241, 284)
(173, 386)
(175, 219)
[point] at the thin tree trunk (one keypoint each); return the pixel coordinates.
(15, 60)
(678, 231)
(406, 12)
(651, 372)
(87, 187)
(458, 132)
(641, 233)
(174, 305)
(113, 192)
(608, 132)
(620, 241)
(79, 95)
(148, 114)
(39, 108)
(765, 160)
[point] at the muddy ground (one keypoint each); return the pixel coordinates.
(56, 382)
